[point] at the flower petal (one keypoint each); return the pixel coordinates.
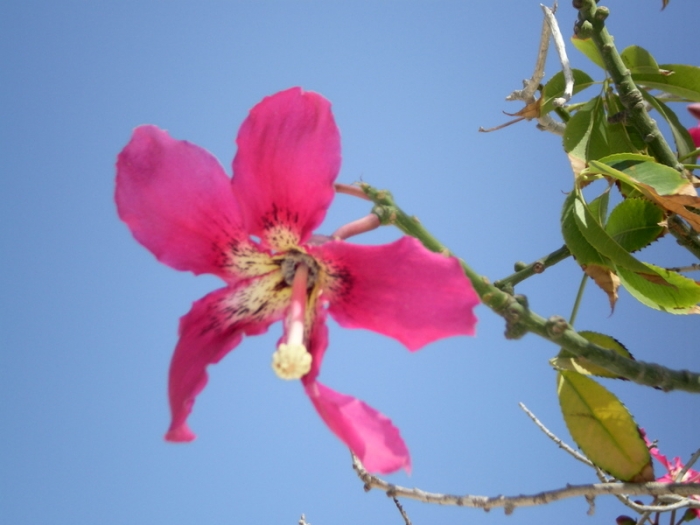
(370, 435)
(213, 327)
(400, 289)
(695, 135)
(288, 157)
(177, 201)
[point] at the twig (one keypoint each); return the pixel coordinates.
(403, 512)
(602, 477)
(563, 59)
(539, 266)
(577, 455)
(691, 268)
(687, 466)
(510, 503)
(527, 94)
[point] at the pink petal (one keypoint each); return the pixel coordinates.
(400, 289)
(695, 135)
(367, 433)
(177, 201)
(288, 157)
(694, 110)
(213, 327)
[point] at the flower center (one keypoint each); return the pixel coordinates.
(292, 360)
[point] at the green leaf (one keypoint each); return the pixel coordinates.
(632, 169)
(580, 248)
(602, 242)
(582, 365)
(589, 136)
(634, 224)
(603, 428)
(578, 130)
(639, 60)
(683, 140)
(678, 79)
(626, 138)
(672, 293)
(554, 88)
(588, 48)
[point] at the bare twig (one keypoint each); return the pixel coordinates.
(625, 500)
(563, 59)
(559, 442)
(510, 503)
(695, 267)
(527, 94)
(403, 512)
(686, 467)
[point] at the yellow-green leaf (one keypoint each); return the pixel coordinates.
(583, 366)
(603, 428)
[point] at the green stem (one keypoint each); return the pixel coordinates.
(693, 153)
(579, 297)
(537, 267)
(520, 319)
(592, 23)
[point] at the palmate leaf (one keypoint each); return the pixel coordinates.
(603, 428)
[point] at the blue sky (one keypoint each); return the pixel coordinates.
(89, 317)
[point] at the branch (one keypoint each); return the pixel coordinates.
(527, 94)
(509, 503)
(563, 59)
(539, 266)
(591, 24)
(521, 320)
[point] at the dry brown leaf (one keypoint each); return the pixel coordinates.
(530, 111)
(606, 279)
(676, 204)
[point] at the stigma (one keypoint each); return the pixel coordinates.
(292, 360)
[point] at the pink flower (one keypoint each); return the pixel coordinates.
(255, 232)
(673, 467)
(695, 132)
